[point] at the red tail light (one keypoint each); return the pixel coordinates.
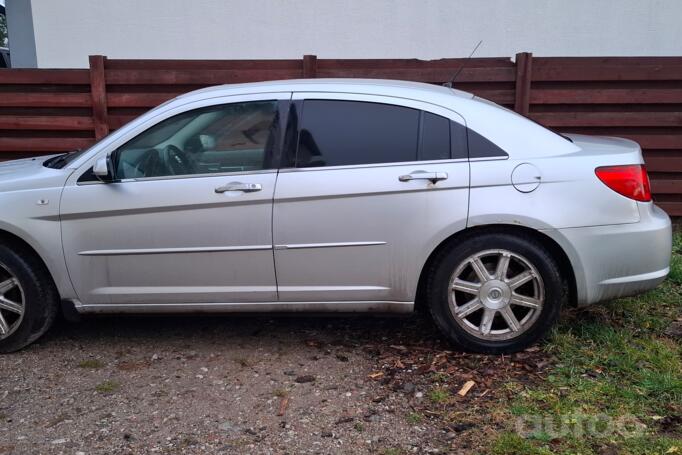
(630, 180)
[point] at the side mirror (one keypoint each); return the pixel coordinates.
(103, 169)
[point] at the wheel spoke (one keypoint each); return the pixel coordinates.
(466, 286)
(510, 318)
(4, 328)
(6, 285)
(487, 321)
(522, 300)
(520, 279)
(480, 270)
(468, 308)
(6, 304)
(502, 266)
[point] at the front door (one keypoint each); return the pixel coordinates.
(188, 219)
(373, 185)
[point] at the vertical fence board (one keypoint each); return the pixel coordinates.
(98, 91)
(524, 65)
(309, 66)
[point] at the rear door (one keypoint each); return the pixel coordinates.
(373, 182)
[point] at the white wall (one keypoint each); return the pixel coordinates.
(67, 31)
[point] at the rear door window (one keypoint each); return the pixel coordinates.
(340, 133)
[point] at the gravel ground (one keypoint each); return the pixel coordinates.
(237, 385)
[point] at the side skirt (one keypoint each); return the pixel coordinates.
(250, 307)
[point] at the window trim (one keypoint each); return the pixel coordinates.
(294, 123)
(134, 129)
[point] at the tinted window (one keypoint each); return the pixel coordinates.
(336, 133)
(435, 137)
(481, 147)
(229, 138)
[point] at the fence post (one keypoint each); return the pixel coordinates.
(309, 66)
(98, 92)
(524, 68)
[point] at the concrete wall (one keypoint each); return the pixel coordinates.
(67, 31)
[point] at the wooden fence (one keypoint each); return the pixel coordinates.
(53, 110)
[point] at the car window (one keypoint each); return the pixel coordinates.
(234, 137)
(435, 137)
(336, 133)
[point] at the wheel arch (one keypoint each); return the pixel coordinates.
(13, 240)
(554, 248)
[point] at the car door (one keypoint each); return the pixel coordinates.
(188, 218)
(373, 184)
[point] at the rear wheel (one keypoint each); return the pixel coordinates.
(495, 293)
(28, 299)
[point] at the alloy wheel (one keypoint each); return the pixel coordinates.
(496, 295)
(12, 303)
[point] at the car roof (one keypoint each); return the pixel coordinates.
(374, 86)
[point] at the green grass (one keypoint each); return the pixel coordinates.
(439, 395)
(107, 387)
(91, 364)
(610, 360)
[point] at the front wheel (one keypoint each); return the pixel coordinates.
(495, 293)
(28, 298)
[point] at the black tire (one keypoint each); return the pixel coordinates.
(41, 298)
(450, 258)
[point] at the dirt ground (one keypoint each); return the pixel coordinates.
(248, 385)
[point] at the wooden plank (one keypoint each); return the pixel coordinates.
(98, 92)
(444, 63)
(423, 75)
(663, 163)
(564, 119)
(672, 208)
(9, 99)
(44, 144)
(524, 65)
(117, 121)
(44, 76)
(496, 96)
(309, 66)
(605, 69)
(198, 77)
(606, 96)
(153, 64)
(666, 186)
(138, 99)
(46, 122)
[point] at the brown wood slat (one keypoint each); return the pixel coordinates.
(606, 69)
(213, 77)
(666, 186)
(562, 119)
(31, 144)
(45, 100)
(47, 122)
(279, 64)
(138, 99)
(44, 76)
(672, 208)
(422, 75)
(117, 121)
(98, 92)
(606, 96)
(663, 164)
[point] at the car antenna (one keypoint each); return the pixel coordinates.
(452, 81)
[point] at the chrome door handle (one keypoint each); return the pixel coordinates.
(423, 175)
(239, 186)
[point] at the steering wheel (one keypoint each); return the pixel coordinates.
(177, 161)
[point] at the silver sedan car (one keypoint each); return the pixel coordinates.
(331, 196)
